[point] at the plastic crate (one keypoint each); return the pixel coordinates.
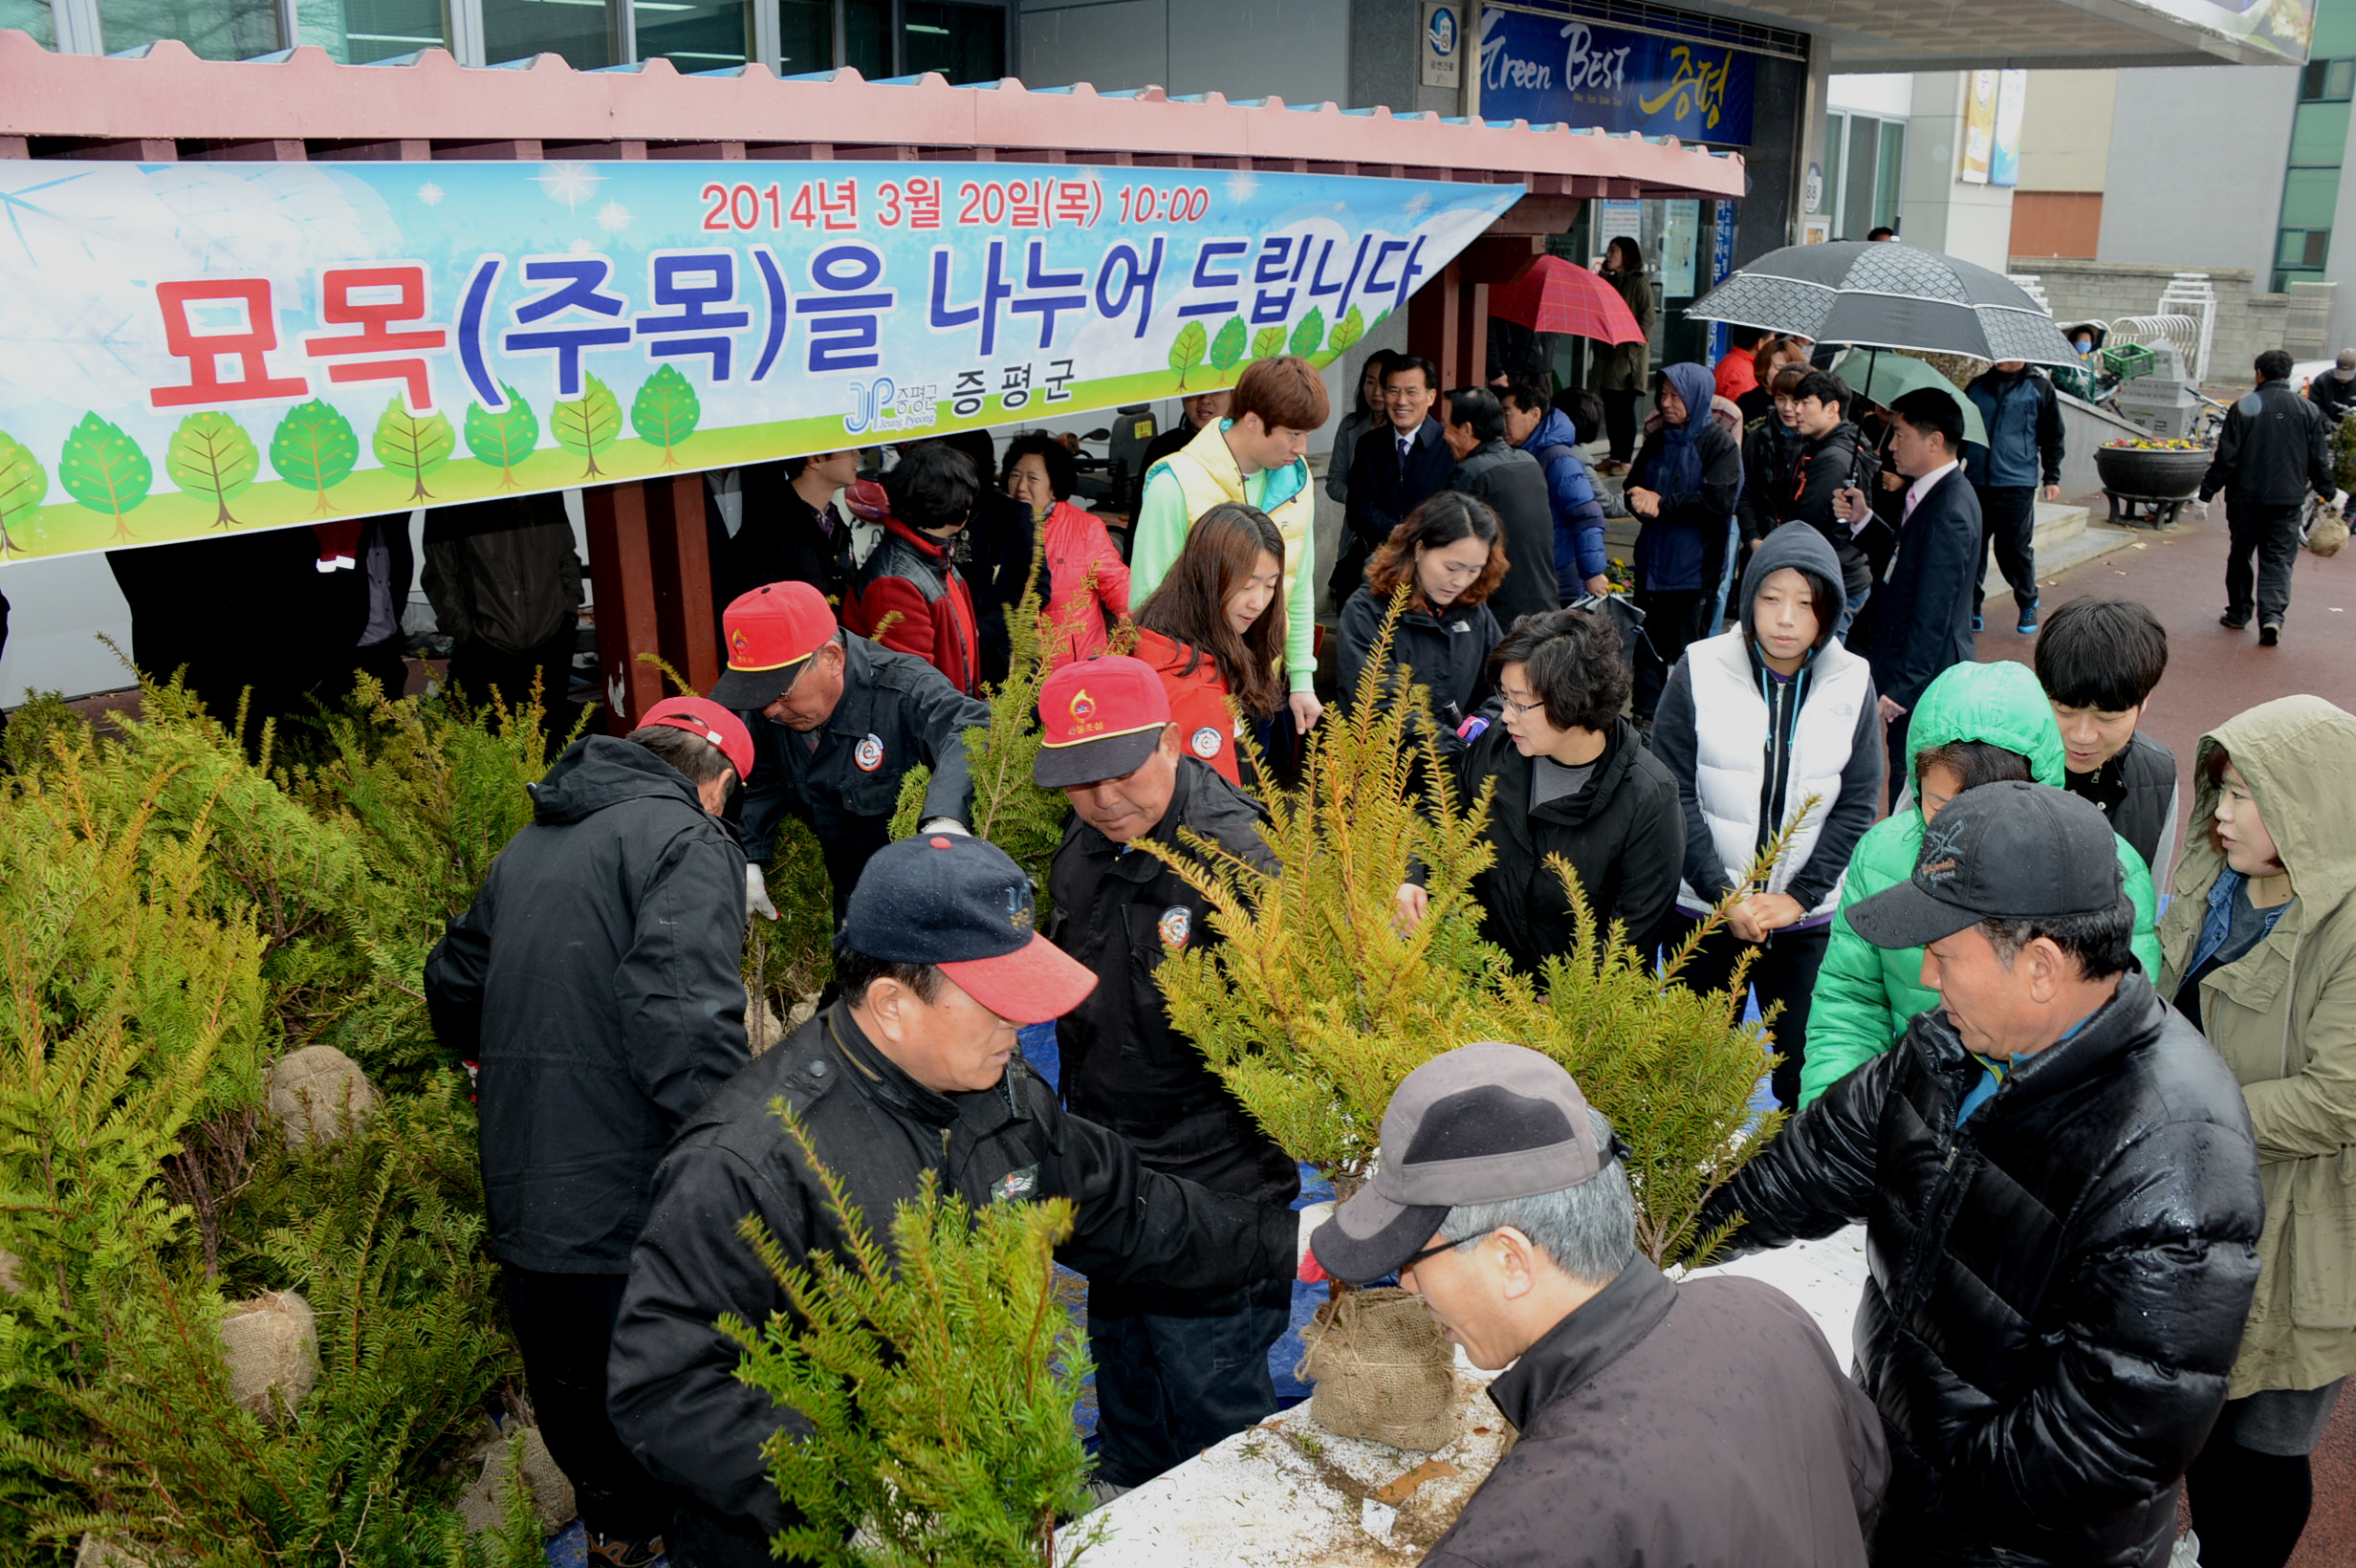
(2128, 360)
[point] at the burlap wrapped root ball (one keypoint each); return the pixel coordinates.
(1384, 1370)
(319, 1095)
(271, 1345)
(97, 1552)
(483, 1505)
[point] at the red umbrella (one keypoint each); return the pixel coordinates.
(1552, 294)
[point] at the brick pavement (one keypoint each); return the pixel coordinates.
(2213, 674)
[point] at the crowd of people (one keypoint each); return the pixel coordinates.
(2100, 1149)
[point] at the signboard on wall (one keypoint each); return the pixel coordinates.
(1554, 69)
(1721, 267)
(2283, 28)
(1979, 127)
(1443, 47)
(1616, 217)
(192, 348)
(2011, 104)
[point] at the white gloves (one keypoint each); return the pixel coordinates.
(1311, 1217)
(756, 895)
(946, 824)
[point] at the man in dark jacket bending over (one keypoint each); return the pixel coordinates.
(1176, 1370)
(1703, 1423)
(595, 980)
(2061, 1196)
(914, 1070)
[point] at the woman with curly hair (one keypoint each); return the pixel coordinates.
(1449, 555)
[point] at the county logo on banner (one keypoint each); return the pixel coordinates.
(1553, 69)
(187, 348)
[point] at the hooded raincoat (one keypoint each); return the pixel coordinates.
(1867, 995)
(2283, 1016)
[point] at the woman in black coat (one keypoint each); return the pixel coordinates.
(1449, 553)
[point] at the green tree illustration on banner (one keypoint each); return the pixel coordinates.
(411, 447)
(102, 468)
(1347, 332)
(1310, 333)
(315, 447)
(1186, 353)
(23, 483)
(666, 412)
(211, 455)
(1267, 342)
(1227, 348)
(503, 437)
(588, 424)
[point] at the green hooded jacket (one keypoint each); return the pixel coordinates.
(1867, 995)
(2283, 1016)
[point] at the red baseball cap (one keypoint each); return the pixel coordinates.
(767, 634)
(1103, 718)
(702, 716)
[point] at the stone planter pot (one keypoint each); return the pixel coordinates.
(2152, 474)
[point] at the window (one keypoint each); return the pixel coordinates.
(1864, 173)
(2302, 250)
(215, 30)
(31, 16)
(805, 37)
(581, 30)
(964, 43)
(358, 31)
(1836, 143)
(868, 37)
(709, 36)
(2327, 81)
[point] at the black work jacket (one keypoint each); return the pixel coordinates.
(1514, 485)
(596, 978)
(780, 537)
(1447, 652)
(671, 1378)
(2275, 448)
(1119, 911)
(2056, 1288)
(846, 788)
(1698, 1424)
(1622, 834)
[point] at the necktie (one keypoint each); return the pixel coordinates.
(1405, 441)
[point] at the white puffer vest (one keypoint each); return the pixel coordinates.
(1730, 754)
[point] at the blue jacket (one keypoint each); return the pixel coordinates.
(1579, 516)
(2024, 431)
(1672, 552)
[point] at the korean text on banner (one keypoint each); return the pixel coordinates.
(193, 347)
(1557, 70)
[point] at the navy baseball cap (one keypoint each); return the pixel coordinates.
(963, 905)
(2008, 851)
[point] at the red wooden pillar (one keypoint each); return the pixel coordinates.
(686, 621)
(1435, 327)
(622, 572)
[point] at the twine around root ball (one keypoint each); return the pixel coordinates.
(1384, 1371)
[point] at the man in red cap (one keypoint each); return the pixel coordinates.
(837, 722)
(1176, 1370)
(595, 979)
(913, 1071)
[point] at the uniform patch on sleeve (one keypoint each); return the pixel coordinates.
(1015, 1186)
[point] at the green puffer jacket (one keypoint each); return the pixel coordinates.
(1867, 995)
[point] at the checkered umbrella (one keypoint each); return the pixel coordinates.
(1883, 293)
(1552, 294)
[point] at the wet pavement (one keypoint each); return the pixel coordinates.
(2211, 675)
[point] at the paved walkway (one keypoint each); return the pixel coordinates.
(2211, 675)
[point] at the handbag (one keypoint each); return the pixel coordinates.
(2322, 527)
(1621, 614)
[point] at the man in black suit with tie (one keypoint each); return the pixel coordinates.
(1397, 467)
(1925, 623)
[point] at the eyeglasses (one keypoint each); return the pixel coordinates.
(1445, 1245)
(1530, 707)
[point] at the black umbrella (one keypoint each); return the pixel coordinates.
(1883, 293)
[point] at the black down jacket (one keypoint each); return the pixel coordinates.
(671, 1378)
(2057, 1287)
(597, 980)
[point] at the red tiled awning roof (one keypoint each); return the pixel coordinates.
(430, 103)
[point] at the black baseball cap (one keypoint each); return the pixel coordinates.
(1483, 1124)
(2009, 850)
(963, 905)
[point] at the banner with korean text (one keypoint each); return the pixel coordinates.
(1548, 67)
(188, 348)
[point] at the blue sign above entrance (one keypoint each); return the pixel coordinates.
(1557, 68)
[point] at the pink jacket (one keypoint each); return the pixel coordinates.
(1075, 618)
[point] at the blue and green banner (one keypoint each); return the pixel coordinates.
(1552, 68)
(188, 348)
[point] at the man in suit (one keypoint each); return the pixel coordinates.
(1397, 467)
(1925, 623)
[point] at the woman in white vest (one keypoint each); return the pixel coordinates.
(1772, 729)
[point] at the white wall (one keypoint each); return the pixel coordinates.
(1891, 95)
(2195, 175)
(2066, 134)
(1940, 212)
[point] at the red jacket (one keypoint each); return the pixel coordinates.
(1737, 374)
(1074, 620)
(1197, 701)
(911, 575)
